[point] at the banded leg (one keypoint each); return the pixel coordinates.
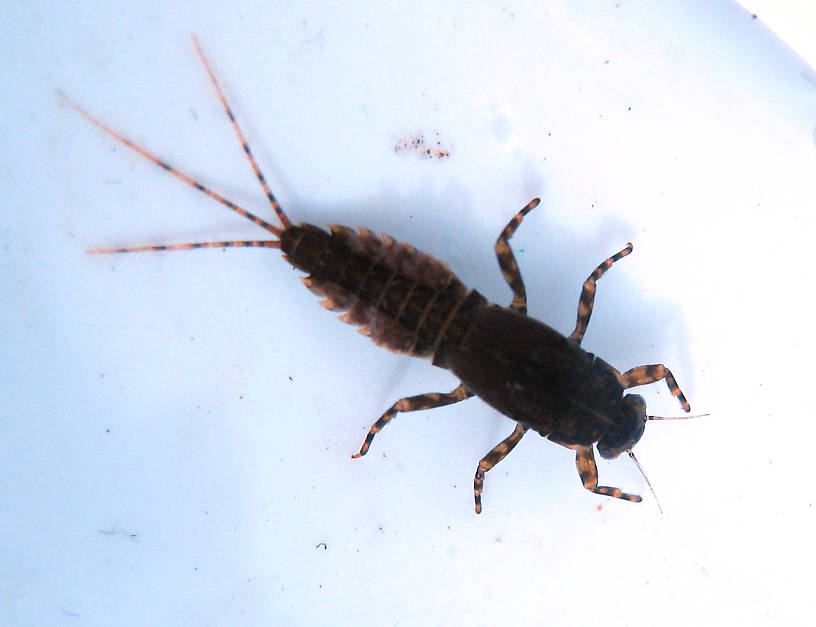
(587, 300)
(414, 403)
(643, 375)
(498, 453)
(588, 471)
(507, 262)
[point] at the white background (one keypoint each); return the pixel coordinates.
(176, 429)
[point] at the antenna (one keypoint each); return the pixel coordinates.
(637, 463)
(676, 417)
(648, 483)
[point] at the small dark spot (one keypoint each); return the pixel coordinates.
(323, 544)
(118, 532)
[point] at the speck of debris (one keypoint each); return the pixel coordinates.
(323, 544)
(417, 145)
(118, 532)
(291, 379)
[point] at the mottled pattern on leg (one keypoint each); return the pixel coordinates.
(587, 300)
(496, 454)
(588, 471)
(643, 375)
(507, 261)
(413, 403)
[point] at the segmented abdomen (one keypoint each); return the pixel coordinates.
(403, 299)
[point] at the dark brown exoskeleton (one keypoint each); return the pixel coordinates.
(409, 302)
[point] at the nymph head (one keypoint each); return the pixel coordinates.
(628, 429)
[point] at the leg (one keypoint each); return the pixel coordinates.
(498, 453)
(587, 299)
(588, 471)
(507, 262)
(643, 375)
(414, 403)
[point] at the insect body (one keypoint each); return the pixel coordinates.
(412, 303)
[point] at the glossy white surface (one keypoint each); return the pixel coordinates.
(176, 429)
